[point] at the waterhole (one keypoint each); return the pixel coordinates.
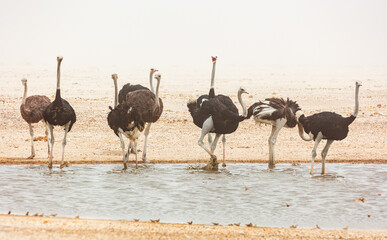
(348, 195)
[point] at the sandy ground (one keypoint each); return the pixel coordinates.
(173, 138)
(21, 227)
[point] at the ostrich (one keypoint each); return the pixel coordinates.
(59, 113)
(32, 109)
(130, 88)
(278, 113)
(219, 115)
(129, 118)
(205, 97)
(122, 97)
(328, 125)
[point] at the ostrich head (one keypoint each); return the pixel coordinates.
(115, 77)
(158, 77)
(152, 70)
(214, 59)
(242, 90)
(24, 81)
(59, 58)
(358, 84)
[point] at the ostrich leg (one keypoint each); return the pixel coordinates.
(314, 154)
(135, 151)
(224, 150)
(32, 142)
(146, 133)
(124, 157)
(324, 154)
(215, 142)
(209, 139)
(52, 141)
(64, 143)
(273, 138)
(46, 132)
(208, 125)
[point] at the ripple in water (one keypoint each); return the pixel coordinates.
(241, 193)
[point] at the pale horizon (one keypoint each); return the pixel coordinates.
(181, 36)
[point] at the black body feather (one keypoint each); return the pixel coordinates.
(126, 89)
(59, 112)
(332, 125)
(223, 111)
(120, 118)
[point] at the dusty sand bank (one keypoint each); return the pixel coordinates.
(174, 137)
(23, 227)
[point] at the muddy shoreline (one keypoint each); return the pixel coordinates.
(23, 161)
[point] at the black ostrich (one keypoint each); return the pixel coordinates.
(328, 125)
(129, 118)
(205, 97)
(216, 114)
(32, 109)
(59, 113)
(278, 113)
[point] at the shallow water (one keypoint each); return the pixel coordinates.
(238, 193)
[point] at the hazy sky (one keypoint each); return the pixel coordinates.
(178, 33)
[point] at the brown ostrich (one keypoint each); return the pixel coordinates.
(129, 117)
(32, 109)
(147, 107)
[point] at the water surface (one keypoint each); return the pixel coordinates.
(239, 193)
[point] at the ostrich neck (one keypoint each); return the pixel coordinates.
(58, 77)
(213, 75)
(242, 104)
(115, 93)
(25, 94)
(157, 105)
(151, 81)
(356, 102)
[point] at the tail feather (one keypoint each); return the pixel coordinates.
(192, 107)
(350, 119)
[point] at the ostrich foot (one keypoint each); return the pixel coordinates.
(271, 165)
(65, 164)
(50, 165)
(31, 156)
(125, 167)
(144, 158)
(212, 164)
(223, 165)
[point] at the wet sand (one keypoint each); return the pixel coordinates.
(22, 227)
(173, 138)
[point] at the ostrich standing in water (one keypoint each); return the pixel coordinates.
(205, 97)
(328, 125)
(122, 97)
(278, 113)
(220, 116)
(32, 109)
(216, 114)
(129, 118)
(59, 113)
